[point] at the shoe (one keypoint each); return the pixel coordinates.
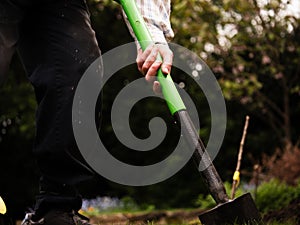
(56, 217)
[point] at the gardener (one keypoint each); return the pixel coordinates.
(56, 43)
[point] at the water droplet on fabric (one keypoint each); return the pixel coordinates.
(181, 85)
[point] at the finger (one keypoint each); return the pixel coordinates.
(142, 56)
(151, 59)
(166, 68)
(151, 73)
(139, 59)
(167, 56)
(157, 88)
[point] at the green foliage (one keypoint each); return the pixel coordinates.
(275, 195)
(205, 201)
(18, 114)
(18, 183)
(128, 204)
(288, 222)
(256, 62)
(253, 47)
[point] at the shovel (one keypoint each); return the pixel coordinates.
(241, 210)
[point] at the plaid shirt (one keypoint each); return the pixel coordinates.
(156, 14)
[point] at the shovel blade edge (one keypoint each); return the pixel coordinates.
(240, 211)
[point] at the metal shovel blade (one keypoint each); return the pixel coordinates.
(241, 210)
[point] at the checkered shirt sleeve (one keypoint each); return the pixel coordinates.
(156, 14)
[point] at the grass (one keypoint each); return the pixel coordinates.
(290, 222)
(171, 220)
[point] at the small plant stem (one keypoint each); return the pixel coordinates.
(236, 177)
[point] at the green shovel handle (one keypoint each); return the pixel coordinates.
(177, 108)
(138, 25)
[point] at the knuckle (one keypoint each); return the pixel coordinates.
(145, 68)
(139, 60)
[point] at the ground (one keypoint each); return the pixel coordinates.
(190, 217)
(288, 213)
(291, 212)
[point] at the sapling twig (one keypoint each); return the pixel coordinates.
(236, 176)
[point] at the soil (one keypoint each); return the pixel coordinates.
(157, 217)
(290, 212)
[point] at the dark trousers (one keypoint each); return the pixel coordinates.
(56, 44)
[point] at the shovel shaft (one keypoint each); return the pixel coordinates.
(178, 110)
(202, 159)
(137, 23)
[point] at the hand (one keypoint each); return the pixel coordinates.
(148, 64)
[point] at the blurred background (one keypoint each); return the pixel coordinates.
(253, 48)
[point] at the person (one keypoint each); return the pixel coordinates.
(56, 44)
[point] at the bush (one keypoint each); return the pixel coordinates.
(271, 195)
(283, 165)
(274, 195)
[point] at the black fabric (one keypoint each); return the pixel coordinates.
(56, 44)
(56, 217)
